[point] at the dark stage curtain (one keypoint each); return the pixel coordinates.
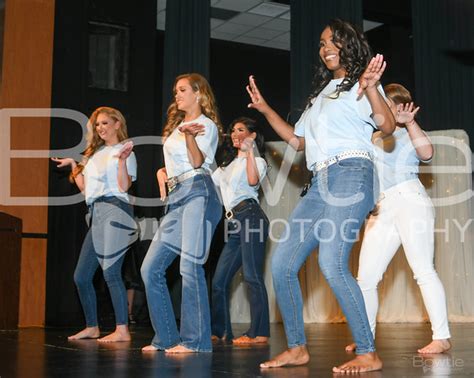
(186, 46)
(444, 67)
(308, 19)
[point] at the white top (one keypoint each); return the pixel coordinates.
(176, 154)
(100, 173)
(396, 161)
(331, 126)
(233, 184)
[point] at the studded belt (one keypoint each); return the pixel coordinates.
(175, 180)
(342, 156)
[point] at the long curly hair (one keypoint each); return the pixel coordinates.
(94, 141)
(206, 100)
(354, 55)
(229, 152)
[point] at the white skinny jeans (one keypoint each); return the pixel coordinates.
(405, 216)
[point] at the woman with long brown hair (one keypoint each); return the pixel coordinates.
(191, 136)
(104, 176)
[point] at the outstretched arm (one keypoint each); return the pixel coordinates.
(79, 178)
(281, 127)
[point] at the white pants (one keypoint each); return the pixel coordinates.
(405, 216)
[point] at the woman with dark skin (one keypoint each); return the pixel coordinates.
(335, 132)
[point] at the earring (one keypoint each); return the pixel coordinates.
(198, 98)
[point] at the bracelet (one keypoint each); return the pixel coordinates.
(411, 123)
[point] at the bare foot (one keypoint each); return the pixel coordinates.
(216, 339)
(121, 333)
(179, 349)
(245, 340)
(436, 346)
(362, 363)
(86, 333)
(291, 357)
(150, 348)
(351, 348)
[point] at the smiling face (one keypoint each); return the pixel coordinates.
(329, 54)
(186, 99)
(107, 129)
(238, 133)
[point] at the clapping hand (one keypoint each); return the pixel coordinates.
(247, 144)
(193, 129)
(125, 151)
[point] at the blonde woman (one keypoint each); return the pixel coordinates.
(104, 176)
(191, 136)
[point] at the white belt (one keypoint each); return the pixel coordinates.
(342, 156)
(175, 180)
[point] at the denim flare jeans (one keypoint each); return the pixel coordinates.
(245, 247)
(329, 216)
(186, 231)
(112, 231)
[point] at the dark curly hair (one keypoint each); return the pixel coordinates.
(354, 54)
(229, 152)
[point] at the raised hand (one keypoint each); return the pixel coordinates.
(406, 113)
(258, 102)
(247, 144)
(125, 151)
(193, 129)
(64, 162)
(372, 74)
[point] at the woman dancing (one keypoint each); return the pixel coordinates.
(191, 136)
(335, 132)
(238, 180)
(104, 176)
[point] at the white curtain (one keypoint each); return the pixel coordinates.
(448, 180)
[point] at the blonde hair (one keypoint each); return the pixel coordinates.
(397, 93)
(94, 141)
(206, 100)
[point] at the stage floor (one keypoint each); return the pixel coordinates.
(47, 353)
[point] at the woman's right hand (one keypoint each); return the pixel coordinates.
(162, 178)
(258, 102)
(64, 162)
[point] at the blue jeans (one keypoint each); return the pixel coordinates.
(247, 236)
(329, 216)
(112, 232)
(186, 230)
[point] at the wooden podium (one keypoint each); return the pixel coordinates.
(10, 264)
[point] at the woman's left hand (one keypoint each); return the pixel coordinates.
(125, 151)
(193, 129)
(247, 144)
(406, 113)
(372, 74)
